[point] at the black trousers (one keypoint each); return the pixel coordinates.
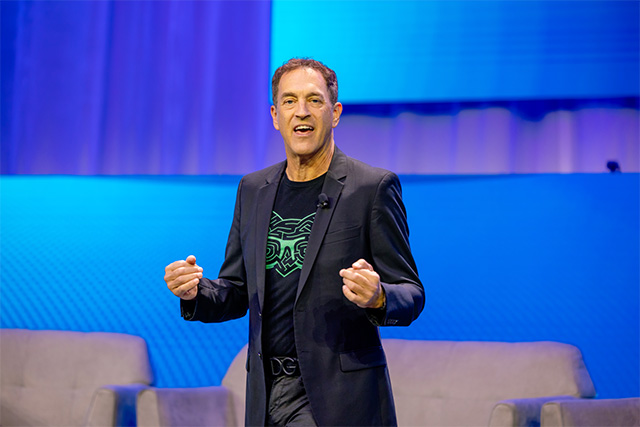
(288, 403)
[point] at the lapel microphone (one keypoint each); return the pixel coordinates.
(323, 201)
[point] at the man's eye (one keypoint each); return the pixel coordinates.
(288, 101)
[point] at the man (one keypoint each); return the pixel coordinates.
(319, 253)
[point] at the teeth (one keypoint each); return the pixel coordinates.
(303, 128)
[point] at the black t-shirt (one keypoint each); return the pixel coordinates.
(291, 220)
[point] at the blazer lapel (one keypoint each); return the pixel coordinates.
(332, 187)
(265, 199)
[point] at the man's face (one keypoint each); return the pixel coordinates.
(303, 113)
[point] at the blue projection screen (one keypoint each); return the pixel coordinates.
(421, 51)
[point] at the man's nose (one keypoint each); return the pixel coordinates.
(302, 110)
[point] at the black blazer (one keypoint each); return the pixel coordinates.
(342, 362)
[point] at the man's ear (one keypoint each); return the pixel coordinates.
(337, 111)
(274, 116)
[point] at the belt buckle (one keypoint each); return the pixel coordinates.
(283, 365)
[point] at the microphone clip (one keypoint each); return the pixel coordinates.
(323, 201)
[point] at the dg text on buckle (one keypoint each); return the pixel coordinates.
(284, 366)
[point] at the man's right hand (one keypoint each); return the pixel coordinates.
(182, 278)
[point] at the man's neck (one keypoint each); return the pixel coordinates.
(299, 169)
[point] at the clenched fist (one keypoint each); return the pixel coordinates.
(182, 277)
(361, 285)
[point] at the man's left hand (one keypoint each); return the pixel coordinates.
(362, 285)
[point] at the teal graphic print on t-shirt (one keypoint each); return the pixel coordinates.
(287, 243)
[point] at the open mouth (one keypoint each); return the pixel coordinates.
(303, 129)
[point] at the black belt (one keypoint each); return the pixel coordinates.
(284, 366)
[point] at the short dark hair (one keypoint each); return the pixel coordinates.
(328, 74)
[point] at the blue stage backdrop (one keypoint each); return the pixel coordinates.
(430, 87)
(513, 258)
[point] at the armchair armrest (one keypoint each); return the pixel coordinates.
(198, 406)
(113, 405)
(592, 412)
(520, 412)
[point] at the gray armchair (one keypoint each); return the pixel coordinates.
(435, 383)
(449, 383)
(54, 377)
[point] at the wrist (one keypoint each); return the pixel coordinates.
(382, 299)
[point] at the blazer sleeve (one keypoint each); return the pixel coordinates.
(224, 298)
(392, 258)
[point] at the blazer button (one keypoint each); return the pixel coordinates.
(260, 355)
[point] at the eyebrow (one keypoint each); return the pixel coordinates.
(285, 94)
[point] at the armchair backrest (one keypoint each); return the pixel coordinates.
(236, 381)
(49, 377)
